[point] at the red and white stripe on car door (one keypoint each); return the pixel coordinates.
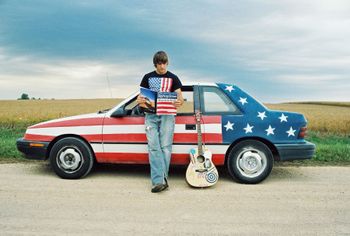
(124, 140)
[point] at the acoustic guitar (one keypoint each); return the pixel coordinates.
(201, 172)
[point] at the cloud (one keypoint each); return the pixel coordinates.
(255, 41)
(61, 79)
(67, 78)
(264, 46)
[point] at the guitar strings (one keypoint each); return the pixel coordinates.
(203, 133)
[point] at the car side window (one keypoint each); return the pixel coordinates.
(215, 101)
(188, 105)
(131, 105)
(133, 109)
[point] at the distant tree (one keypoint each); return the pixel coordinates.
(24, 96)
(33, 98)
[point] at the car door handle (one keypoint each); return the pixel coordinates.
(190, 127)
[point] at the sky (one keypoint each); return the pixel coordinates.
(278, 51)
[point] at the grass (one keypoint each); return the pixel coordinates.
(8, 137)
(329, 125)
(330, 148)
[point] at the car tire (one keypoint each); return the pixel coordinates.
(71, 158)
(250, 161)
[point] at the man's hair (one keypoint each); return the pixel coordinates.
(160, 58)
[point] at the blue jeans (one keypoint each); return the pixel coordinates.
(160, 133)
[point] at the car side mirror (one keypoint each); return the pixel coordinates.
(120, 112)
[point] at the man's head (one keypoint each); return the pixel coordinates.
(160, 61)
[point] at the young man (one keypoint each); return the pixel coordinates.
(160, 128)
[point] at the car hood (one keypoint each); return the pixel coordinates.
(78, 120)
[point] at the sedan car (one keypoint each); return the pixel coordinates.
(240, 132)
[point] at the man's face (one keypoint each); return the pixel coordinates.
(161, 68)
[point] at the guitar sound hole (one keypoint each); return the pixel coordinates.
(200, 159)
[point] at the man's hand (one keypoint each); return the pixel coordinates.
(141, 100)
(178, 103)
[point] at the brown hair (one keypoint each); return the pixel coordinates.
(160, 58)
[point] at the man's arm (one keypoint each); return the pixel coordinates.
(180, 99)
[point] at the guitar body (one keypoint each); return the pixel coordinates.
(201, 172)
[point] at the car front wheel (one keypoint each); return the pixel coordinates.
(250, 161)
(71, 158)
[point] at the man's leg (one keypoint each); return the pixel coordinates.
(154, 150)
(166, 135)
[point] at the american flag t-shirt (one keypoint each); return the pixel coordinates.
(165, 98)
(160, 84)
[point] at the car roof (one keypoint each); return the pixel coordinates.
(200, 84)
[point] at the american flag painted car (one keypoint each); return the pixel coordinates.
(241, 133)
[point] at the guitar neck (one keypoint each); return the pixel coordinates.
(199, 134)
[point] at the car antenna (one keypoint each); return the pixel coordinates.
(109, 85)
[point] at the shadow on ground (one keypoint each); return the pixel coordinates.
(278, 173)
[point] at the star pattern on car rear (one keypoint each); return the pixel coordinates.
(229, 126)
(261, 115)
(283, 118)
(248, 129)
(258, 120)
(229, 88)
(243, 100)
(269, 130)
(291, 131)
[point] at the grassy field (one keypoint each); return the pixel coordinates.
(328, 123)
(22, 113)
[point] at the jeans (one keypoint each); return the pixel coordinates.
(160, 133)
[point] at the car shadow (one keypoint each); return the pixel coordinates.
(278, 173)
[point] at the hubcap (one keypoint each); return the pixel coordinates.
(251, 162)
(69, 159)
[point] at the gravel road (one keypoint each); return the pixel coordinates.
(116, 200)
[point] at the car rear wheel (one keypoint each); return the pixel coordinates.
(71, 158)
(250, 161)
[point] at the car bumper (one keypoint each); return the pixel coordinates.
(32, 149)
(289, 152)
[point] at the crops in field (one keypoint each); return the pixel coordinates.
(28, 112)
(322, 117)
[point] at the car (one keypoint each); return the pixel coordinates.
(242, 134)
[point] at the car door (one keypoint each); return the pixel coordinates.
(216, 106)
(125, 141)
(124, 137)
(185, 133)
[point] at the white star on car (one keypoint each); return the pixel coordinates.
(283, 118)
(229, 88)
(243, 100)
(229, 125)
(291, 132)
(248, 129)
(270, 130)
(262, 115)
